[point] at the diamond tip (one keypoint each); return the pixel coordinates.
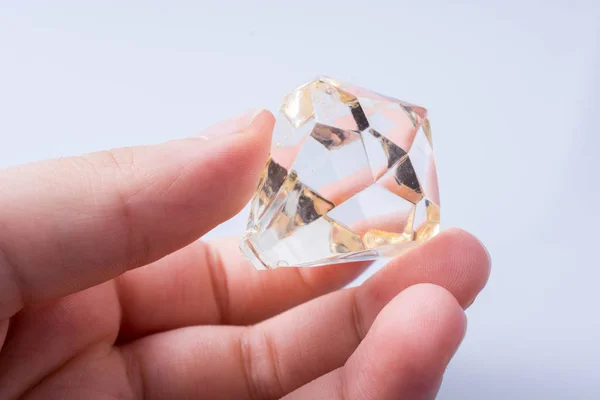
(250, 252)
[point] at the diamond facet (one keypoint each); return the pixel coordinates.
(351, 177)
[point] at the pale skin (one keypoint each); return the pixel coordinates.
(106, 291)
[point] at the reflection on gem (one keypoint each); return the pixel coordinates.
(332, 137)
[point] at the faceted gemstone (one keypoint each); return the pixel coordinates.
(351, 177)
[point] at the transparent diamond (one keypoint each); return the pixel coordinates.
(351, 177)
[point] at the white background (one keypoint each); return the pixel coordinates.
(512, 88)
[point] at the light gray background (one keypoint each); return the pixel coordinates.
(512, 87)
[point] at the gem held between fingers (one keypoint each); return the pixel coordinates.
(351, 177)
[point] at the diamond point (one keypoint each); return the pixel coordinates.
(351, 177)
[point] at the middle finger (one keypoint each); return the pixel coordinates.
(291, 349)
(213, 284)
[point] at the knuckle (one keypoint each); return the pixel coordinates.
(261, 365)
(218, 280)
(120, 159)
(357, 317)
(112, 180)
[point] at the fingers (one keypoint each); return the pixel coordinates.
(213, 284)
(319, 336)
(71, 223)
(45, 337)
(454, 259)
(404, 354)
(180, 364)
(287, 351)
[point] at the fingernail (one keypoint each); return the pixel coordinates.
(231, 126)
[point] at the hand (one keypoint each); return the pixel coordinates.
(80, 320)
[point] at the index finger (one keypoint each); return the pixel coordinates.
(72, 223)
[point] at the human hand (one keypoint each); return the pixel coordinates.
(80, 320)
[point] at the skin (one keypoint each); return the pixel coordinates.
(106, 291)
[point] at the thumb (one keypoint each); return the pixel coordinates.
(72, 223)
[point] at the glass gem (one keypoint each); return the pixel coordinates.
(351, 177)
